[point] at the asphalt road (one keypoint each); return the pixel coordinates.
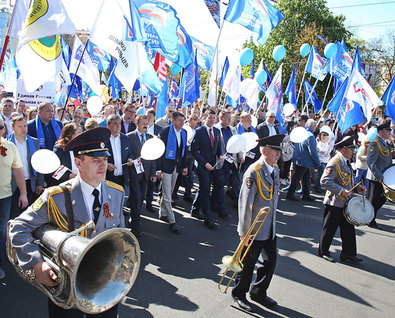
(179, 273)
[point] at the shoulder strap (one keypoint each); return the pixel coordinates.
(69, 208)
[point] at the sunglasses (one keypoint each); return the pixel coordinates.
(271, 116)
(1, 127)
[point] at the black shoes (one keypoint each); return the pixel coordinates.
(264, 301)
(350, 259)
(308, 198)
(292, 198)
(242, 302)
(188, 198)
(210, 225)
(327, 258)
(222, 214)
(174, 228)
(197, 215)
(164, 219)
(150, 208)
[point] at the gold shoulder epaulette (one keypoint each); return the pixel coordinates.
(276, 165)
(336, 160)
(115, 186)
(54, 190)
(257, 167)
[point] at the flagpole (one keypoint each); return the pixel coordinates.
(301, 83)
(212, 63)
(326, 92)
(311, 93)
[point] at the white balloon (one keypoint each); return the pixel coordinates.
(94, 105)
(298, 134)
(45, 161)
(153, 149)
(254, 121)
(251, 140)
(235, 144)
(288, 109)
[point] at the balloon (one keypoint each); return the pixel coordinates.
(372, 133)
(261, 77)
(175, 69)
(330, 50)
(153, 149)
(45, 161)
(288, 109)
(251, 140)
(298, 134)
(254, 121)
(304, 50)
(94, 105)
(235, 144)
(279, 53)
(246, 56)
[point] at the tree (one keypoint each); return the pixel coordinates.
(303, 20)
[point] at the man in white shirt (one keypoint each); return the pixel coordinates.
(7, 107)
(268, 128)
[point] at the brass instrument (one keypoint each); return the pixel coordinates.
(93, 274)
(235, 262)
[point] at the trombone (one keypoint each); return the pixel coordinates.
(234, 262)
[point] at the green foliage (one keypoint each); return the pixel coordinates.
(303, 19)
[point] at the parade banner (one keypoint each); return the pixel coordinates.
(45, 93)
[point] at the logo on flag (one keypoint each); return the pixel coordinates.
(48, 48)
(40, 8)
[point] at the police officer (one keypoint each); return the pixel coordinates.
(92, 198)
(338, 179)
(259, 189)
(378, 160)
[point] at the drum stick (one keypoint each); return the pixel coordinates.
(355, 186)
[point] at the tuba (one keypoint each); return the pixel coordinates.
(93, 274)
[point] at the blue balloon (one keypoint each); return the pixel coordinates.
(330, 50)
(175, 69)
(261, 77)
(246, 56)
(304, 50)
(279, 53)
(372, 133)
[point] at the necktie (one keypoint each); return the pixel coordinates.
(211, 138)
(142, 139)
(96, 205)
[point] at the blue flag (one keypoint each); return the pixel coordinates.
(389, 99)
(113, 81)
(291, 88)
(258, 16)
(190, 84)
(252, 73)
(99, 58)
(224, 71)
(310, 97)
(347, 112)
(340, 65)
(317, 65)
(205, 53)
(358, 62)
(173, 89)
(214, 8)
(265, 86)
(163, 100)
(66, 51)
(322, 38)
(160, 24)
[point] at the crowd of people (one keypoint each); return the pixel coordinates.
(195, 140)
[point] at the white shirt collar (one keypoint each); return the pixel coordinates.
(269, 167)
(342, 158)
(87, 188)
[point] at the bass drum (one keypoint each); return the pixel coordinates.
(359, 211)
(389, 183)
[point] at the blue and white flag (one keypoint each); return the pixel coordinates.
(358, 63)
(214, 8)
(174, 89)
(224, 71)
(310, 97)
(100, 58)
(160, 24)
(190, 84)
(113, 81)
(317, 65)
(263, 88)
(290, 91)
(274, 93)
(389, 99)
(204, 53)
(259, 16)
(340, 65)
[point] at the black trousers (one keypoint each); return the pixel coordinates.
(31, 197)
(55, 311)
(376, 196)
(301, 173)
(138, 186)
(334, 218)
(265, 253)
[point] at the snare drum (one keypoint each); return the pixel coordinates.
(359, 211)
(389, 183)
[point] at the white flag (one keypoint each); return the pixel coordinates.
(249, 89)
(87, 70)
(274, 91)
(361, 92)
(45, 18)
(18, 18)
(232, 82)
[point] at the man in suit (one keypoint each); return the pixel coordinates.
(118, 147)
(154, 130)
(26, 146)
(267, 128)
(7, 108)
(91, 198)
(260, 189)
(379, 159)
(171, 164)
(205, 148)
(166, 120)
(44, 127)
(139, 172)
(338, 179)
(127, 119)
